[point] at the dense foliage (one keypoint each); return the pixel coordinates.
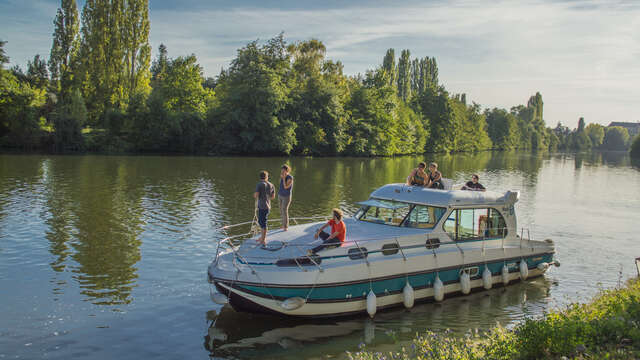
(635, 147)
(99, 91)
(606, 328)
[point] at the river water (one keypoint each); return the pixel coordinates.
(105, 257)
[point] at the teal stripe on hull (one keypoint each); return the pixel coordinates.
(382, 287)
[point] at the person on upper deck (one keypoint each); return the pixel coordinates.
(418, 176)
(337, 236)
(435, 177)
(265, 191)
(474, 185)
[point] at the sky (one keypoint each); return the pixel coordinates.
(582, 56)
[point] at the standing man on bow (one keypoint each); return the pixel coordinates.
(265, 191)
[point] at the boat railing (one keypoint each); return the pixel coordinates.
(361, 245)
(233, 241)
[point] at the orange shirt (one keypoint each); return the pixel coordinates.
(338, 227)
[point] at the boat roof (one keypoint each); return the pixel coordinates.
(443, 198)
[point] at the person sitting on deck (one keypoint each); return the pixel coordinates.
(337, 236)
(435, 177)
(418, 176)
(474, 185)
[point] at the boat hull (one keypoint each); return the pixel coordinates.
(343, 299)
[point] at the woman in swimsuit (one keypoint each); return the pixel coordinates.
(418, 177)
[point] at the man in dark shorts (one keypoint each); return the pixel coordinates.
(474, 185)
(265, 191)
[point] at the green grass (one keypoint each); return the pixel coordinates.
(608, 327)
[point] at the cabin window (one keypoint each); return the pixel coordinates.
(357, 253)
(383, 212)
(424, 217)
(390, 249)
(469, 224)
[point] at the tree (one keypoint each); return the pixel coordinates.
(19, 112)
(389, 65)
(595, 132)
(317, 99)
(404, 75)
(160, 64)
(615, 138)
(37, 73)
(434, 104)
(137, 51)
(114, 53)
(424, 74)
(579, 140)
(64, 48)
(4, 59)
(182, 88)
(68, 120)
(253, 94)
(635, 147)
(503, 129)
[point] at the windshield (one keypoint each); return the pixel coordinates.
(397, 213)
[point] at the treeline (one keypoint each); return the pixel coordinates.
(593, 136)
(99, 91)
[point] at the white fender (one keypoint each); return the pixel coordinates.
(218, 298)
(408, 296)
(293, 303)
(372, 305)
(487, 278)
(524, 270)
(438, 289)
(465, 283)
(505, 275)
(543, 266)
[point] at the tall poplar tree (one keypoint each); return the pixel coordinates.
(37, 73)
(64, 48)
(137, 49)
(3, 56)
(389, 65)
(404, 75)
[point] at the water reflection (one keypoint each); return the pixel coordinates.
(242, 335)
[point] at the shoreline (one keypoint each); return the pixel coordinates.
(607, 326)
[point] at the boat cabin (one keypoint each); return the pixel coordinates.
(462, 215)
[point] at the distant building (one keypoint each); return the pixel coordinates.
(632, 128)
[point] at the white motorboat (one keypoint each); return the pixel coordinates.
(405, 244)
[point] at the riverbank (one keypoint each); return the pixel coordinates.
(606, 327)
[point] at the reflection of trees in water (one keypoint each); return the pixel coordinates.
(245, 335)
(60, 220)
(106, 199)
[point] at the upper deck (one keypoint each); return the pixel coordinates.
(443, 198)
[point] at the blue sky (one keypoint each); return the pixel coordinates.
(583, 56)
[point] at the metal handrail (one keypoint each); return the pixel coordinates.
(358, 245)
(229, 241)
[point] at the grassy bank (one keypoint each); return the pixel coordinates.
(608, 327)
